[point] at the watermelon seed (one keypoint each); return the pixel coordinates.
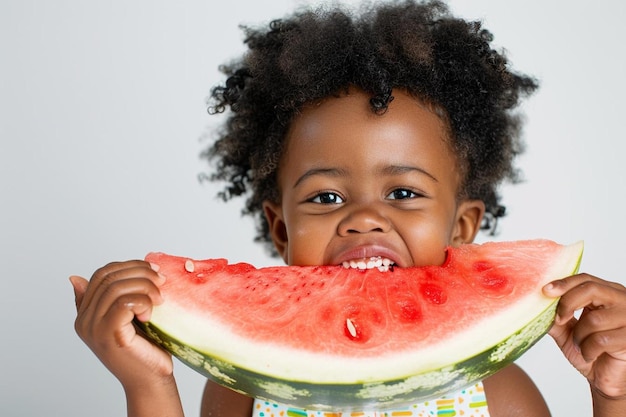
(189, 266)
(351, 327)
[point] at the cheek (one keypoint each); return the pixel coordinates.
(427, 243)
(307, 242)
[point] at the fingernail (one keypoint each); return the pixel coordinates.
(75, 281)
(553, 288)
(550, 289)
(156, 269)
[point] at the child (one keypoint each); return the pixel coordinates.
(380, 135)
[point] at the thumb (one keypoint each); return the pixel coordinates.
(563, 335)
(80, 286)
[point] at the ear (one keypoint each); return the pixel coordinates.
(277, 228)
(469, 217)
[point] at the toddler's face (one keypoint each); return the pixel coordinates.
(355, 185)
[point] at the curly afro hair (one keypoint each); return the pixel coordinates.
(415, 46)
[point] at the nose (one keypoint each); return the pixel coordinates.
(364, 220)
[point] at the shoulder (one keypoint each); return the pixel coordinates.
(511, 393)
(218, 401)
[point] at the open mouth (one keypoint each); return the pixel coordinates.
(378, 262)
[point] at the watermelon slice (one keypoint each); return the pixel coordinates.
(327, 337)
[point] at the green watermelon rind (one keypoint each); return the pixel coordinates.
(359, 396)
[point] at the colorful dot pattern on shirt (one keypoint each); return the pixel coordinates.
(470, 402)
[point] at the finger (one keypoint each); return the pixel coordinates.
(584, 291)
(119, 318)
(611, 342)
(80, 286)
(559, 287)
(110, 294)
(595, 325)
(121, 292)
(562, 335)
(561, 332)
(117, 271)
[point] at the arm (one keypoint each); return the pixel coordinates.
(160, 399)
(511, 393)
(106, 307)
(218, 401)
(595, 343)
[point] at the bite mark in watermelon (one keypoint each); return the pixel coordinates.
(327, 337)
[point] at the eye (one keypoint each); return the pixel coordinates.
(402, 194)
(327, 198)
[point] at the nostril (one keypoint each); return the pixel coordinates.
(377, 229)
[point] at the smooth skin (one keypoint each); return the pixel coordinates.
(354, 184)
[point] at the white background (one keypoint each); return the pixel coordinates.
(102, 106)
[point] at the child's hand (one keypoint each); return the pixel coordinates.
(106, 306)
(596, 342)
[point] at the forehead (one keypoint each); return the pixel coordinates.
(353, 108)
(344, 129)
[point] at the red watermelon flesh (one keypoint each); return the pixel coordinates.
(332, 325)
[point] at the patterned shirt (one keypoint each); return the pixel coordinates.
(469, 402)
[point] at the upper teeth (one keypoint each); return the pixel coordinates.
(379, 262)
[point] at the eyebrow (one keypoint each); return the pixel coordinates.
(403, 169)
(328, 172)
(389, 170)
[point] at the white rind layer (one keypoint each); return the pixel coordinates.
(271, 359)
